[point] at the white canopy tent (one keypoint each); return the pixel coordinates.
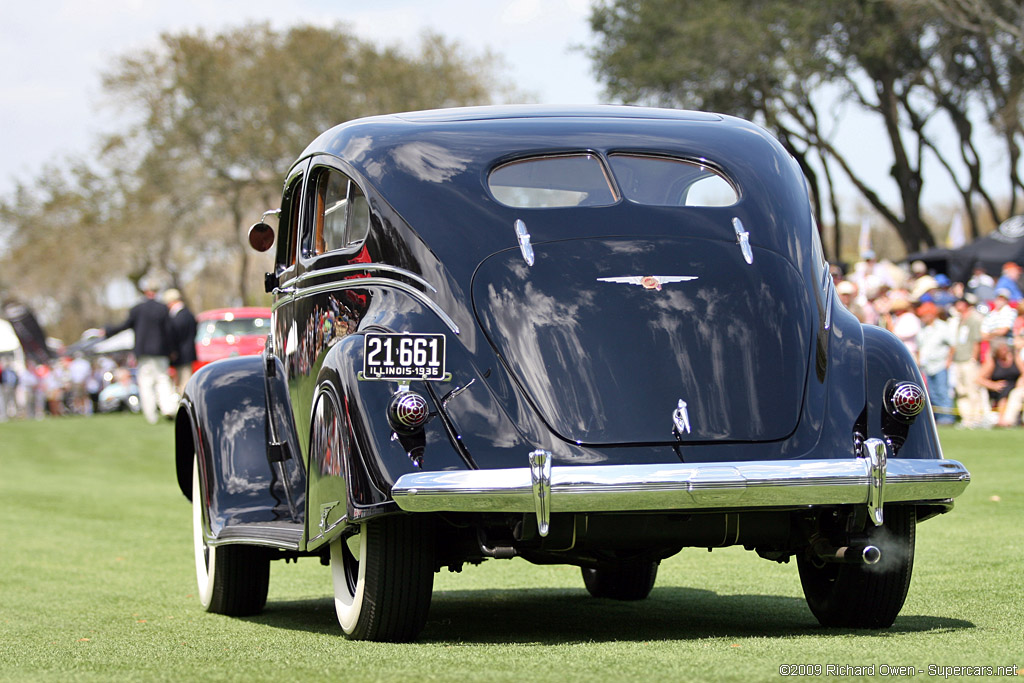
(8, 340)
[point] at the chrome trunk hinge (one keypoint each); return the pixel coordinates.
(743, 239)
(540, 473)
(524, 241)
(680, 420)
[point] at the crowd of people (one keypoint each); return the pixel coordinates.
(967, 337)
(149, 380)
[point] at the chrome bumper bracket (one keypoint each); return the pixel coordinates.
(540, 474)
(874, 452)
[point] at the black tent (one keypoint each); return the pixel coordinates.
(990, 252)
(30, 334)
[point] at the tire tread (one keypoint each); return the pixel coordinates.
(399, 579)
(865, 596)
(241, 580)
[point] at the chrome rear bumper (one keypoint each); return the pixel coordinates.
(683, 487)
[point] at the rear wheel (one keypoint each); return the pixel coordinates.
(627, 581)
(383, 576)
(232, 579)
(861, 595)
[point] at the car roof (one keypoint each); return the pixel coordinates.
(414, 151)
(431, 167)
(553, 111)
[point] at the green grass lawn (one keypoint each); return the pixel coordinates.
(97, 583)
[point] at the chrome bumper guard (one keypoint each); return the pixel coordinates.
(683, 487)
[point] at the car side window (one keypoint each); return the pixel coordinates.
(288, 227)
(358, 216)
(341, 214)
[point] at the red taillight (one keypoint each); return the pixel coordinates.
(904, 400)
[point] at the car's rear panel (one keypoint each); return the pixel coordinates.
(607, 336)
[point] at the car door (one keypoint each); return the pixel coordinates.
(325, 304)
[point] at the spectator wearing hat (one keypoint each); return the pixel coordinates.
(971, 397)
(151, 322)
(998, 324)
(869, 274)
(941, 295)
(981, 285)
(934, 357)
(183, 346)
(902, 321)
(847, 292)
(1010, 281)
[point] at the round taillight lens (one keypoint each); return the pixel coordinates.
(905, 400)
(407, 411)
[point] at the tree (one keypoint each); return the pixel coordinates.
(212, 124)
(53, 261)
(229, 113)
(780, 63)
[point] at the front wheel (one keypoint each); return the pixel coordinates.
(628, 581)
(383, 576)
(860, 595)
(232, 579)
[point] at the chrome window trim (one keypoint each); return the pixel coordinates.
(292, 293)
(358, 268)
(684, 486)
(828, 288)
(830, 295)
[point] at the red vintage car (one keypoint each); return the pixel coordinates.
(226, 332)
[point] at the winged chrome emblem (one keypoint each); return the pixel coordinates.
(648, 281)
(681, 419)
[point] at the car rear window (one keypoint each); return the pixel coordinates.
(553, 181)
(583, 180)
(665, 181)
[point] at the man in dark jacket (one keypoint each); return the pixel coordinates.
(151, 322)
(183, 328)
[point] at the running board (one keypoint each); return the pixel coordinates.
(285, 536)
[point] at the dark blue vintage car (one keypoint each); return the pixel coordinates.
(591, 336)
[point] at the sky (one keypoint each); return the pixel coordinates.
(53, 52)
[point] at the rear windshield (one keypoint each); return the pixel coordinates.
(582, 180)
(663, 181)
(554, 181)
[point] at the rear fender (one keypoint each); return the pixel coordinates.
(373, 457)
(222, 420)
(887, 358)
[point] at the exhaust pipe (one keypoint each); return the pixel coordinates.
(857, 553)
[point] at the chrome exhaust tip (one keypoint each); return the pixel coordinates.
(849, 554)
(859, 554)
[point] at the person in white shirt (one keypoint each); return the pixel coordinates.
(998, 324)
(934, 344)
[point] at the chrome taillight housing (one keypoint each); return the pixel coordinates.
(904, 400)
(407, 412)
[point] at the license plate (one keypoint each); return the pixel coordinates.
(403, 357)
